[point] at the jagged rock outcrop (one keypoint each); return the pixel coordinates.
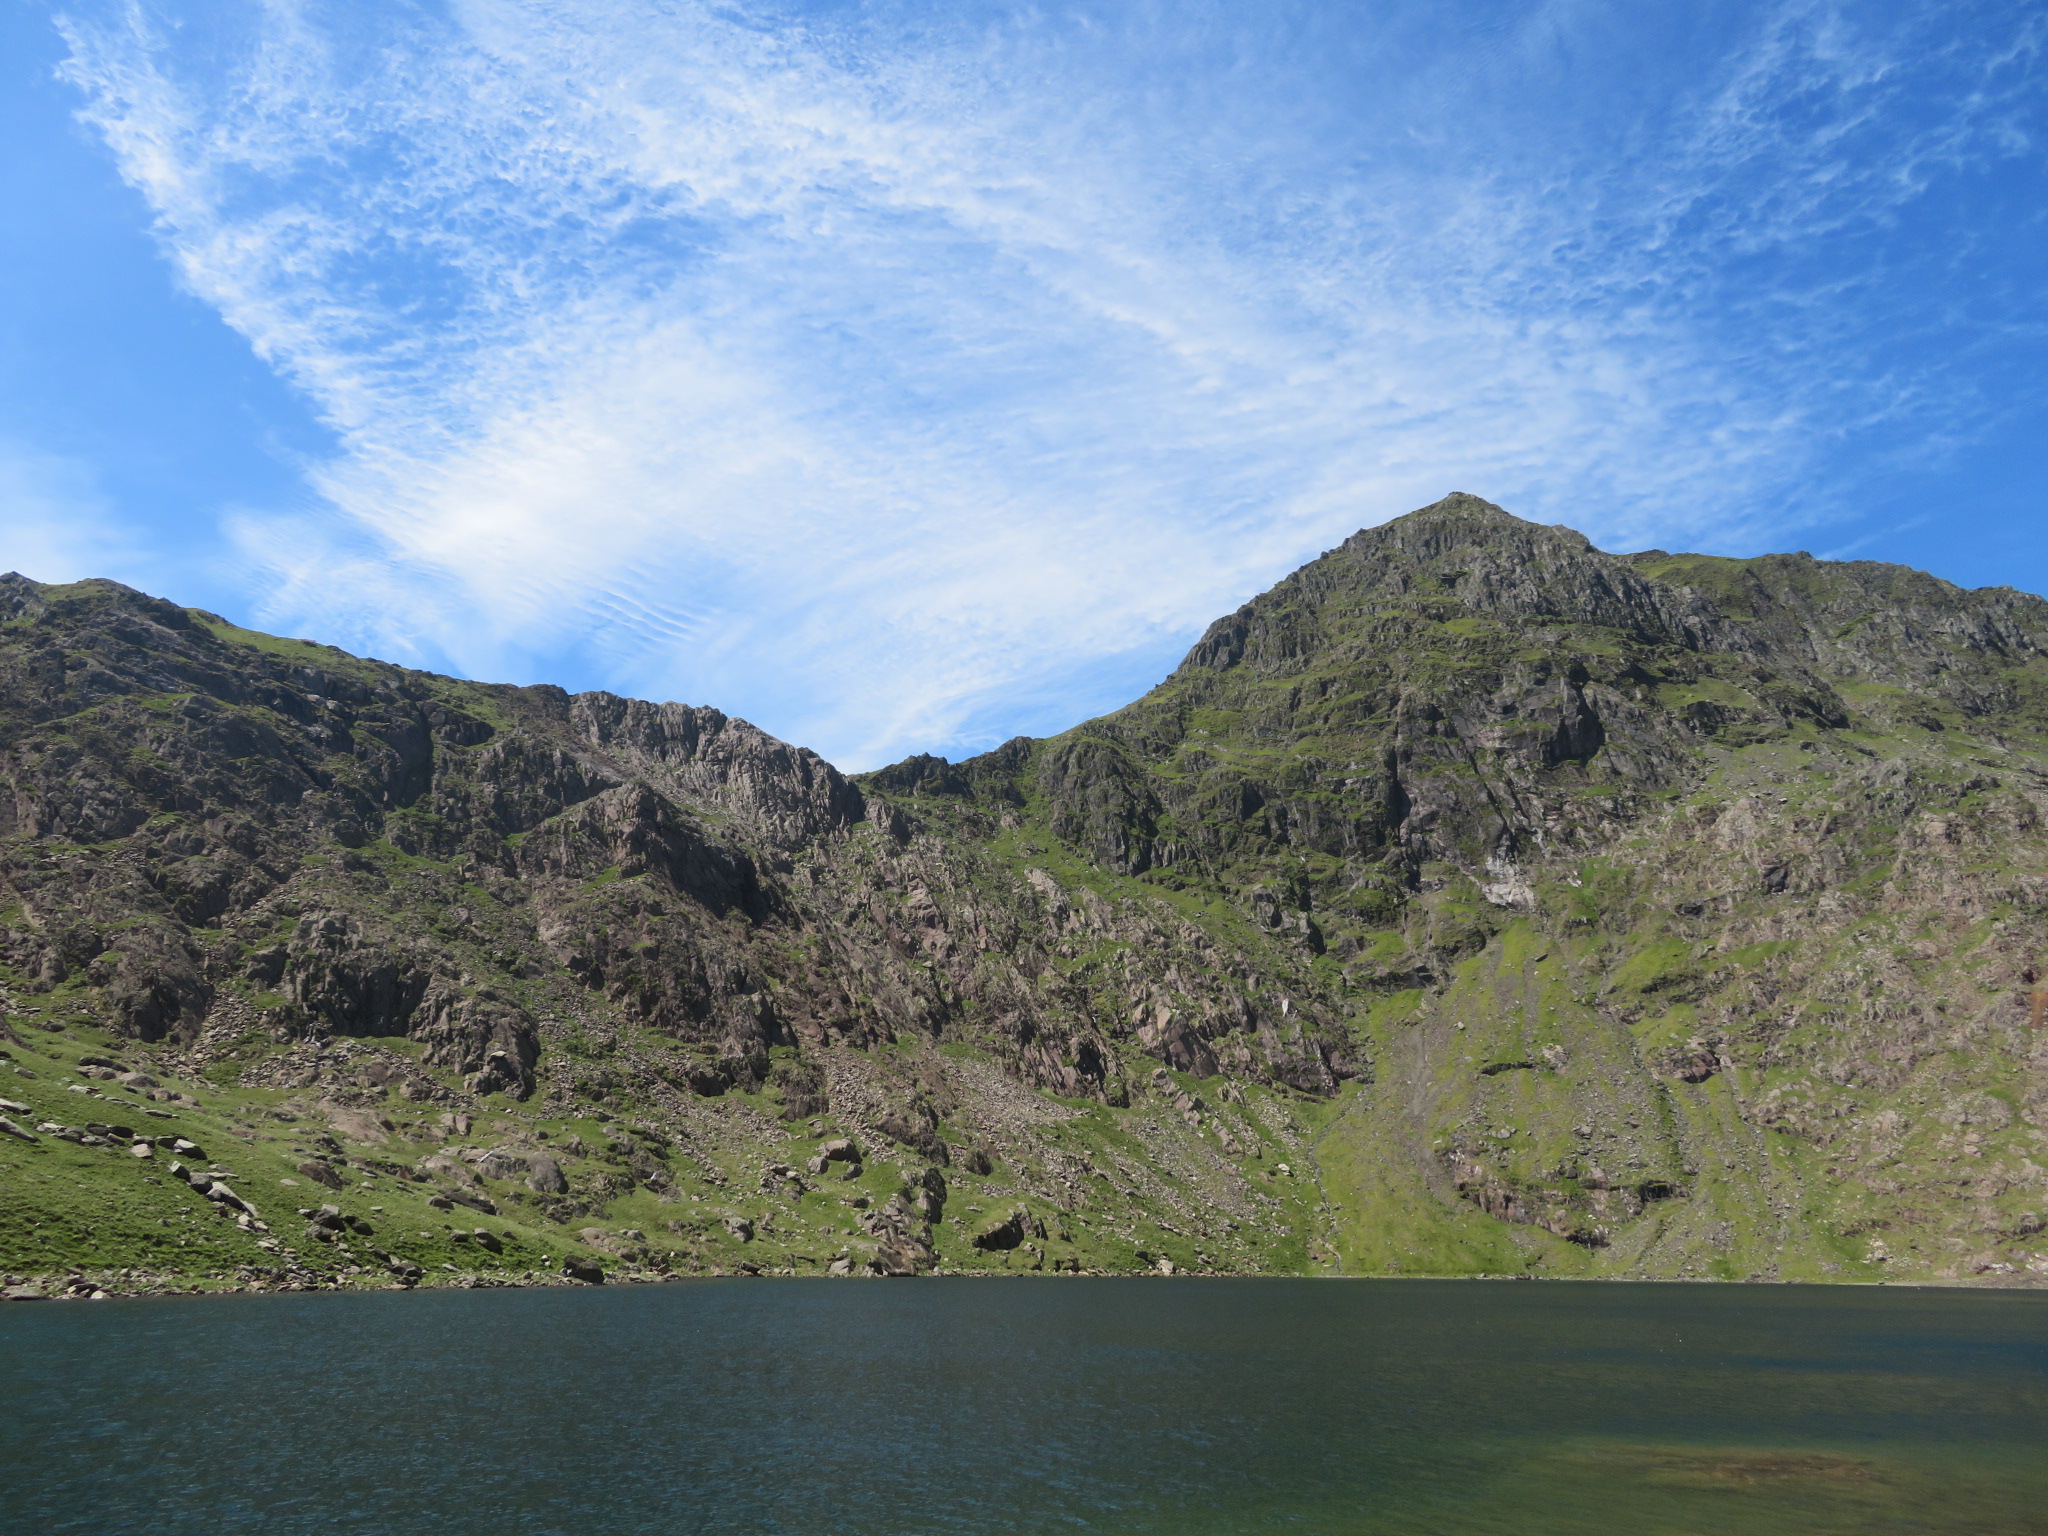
(1622, 898)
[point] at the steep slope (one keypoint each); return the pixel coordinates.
(1473, 901)
(556, 960)
(1688, 909)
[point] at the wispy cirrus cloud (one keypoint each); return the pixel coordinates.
(891, 375)
(58, 525)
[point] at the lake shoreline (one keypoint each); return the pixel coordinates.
(91, 1286)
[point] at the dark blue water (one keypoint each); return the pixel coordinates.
(845, 1408)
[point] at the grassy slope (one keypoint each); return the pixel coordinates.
(98, 1210)
(1630, 981)
(1625, 982)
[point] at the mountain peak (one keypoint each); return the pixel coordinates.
(1463, 504)
(1545, 852)
(1457, 525)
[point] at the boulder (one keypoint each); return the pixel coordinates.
(544, 1175)
(142, 1149)
(320, 1173)
(500, 1164)
(902, 1254)
(928, 1194)
(1005, 1234)
(439, 1165)
(740, 1227)
(976, 1161)
(895, 1258)
(9, 1128)
(586, 1271)
(485, 1239)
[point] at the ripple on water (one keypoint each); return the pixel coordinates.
(1363, 1408)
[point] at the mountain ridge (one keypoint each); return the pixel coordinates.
(1540, 909)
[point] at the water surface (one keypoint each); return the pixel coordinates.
(1183, 1406)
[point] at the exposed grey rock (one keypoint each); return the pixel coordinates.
(1004, 1234)
(898, 1257)
(1451, 746)
(499, 1164)
(545, 1176)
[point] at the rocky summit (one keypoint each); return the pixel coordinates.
(1473, 902)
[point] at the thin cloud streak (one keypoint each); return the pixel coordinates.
(860, 378)
(59, 526)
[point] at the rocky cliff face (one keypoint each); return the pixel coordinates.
(1471, 901)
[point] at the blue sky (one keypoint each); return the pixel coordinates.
(904, 377)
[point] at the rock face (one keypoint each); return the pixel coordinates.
(1649, 914)
(1009, 1232)
(584, 1271)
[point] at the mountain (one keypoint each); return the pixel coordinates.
(1473, 901)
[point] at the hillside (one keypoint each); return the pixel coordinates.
(1472, 902)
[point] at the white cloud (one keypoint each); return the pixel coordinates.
(55, 523)
(859, 380)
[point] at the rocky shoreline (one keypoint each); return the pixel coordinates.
(115, 1285)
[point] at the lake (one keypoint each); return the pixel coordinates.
(1185, 1406)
